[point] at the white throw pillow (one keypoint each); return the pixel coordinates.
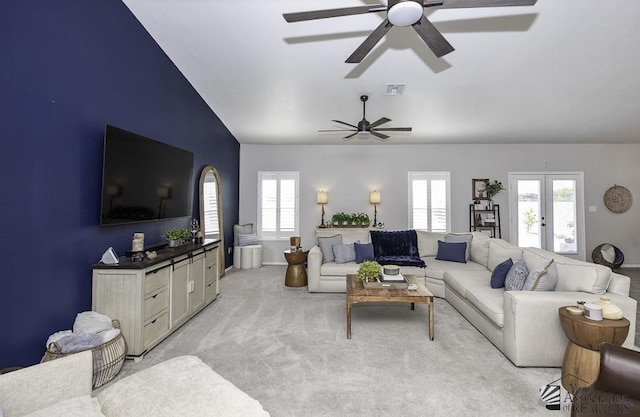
(543, 278)
(326, 247)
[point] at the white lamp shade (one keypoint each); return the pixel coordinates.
(322, 197)
(374, 197)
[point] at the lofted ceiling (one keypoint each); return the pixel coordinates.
(561, 71)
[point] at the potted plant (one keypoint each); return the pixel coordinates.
(363, 220)
(338, 219)
(176, 236)
(491, 189)
(368, 271)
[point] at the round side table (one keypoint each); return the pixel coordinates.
(581, 363)
(296, 275)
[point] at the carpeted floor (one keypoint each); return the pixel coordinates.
(288, 349)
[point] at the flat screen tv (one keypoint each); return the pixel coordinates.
(143, 180)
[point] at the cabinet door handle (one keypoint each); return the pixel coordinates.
(154, 322)
(154, 296)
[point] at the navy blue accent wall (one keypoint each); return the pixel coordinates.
(68, 67)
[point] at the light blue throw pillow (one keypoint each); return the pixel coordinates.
(245, 239)
(543, 278)
(516, 276)
(344, 253)
(458, 238)
(326, 247)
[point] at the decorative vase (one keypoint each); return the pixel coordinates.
(610, 311)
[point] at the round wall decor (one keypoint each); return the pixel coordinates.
(618, 199)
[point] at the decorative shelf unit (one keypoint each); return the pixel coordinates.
(480, 220)
(153, 298)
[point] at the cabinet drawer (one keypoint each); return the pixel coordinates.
(156, 328)
(155, 303)
(156, 279)
(211, 290)
(211, 257)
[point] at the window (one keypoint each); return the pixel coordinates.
(429, 201)
(277, 204)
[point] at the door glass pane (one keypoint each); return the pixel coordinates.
(529, 228)
(564, 216)
(438, 206)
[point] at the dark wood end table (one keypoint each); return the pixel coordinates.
(296, 275)
(581, 363)
(357, 293)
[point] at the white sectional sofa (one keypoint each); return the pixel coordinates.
(182, 386)
(524, 325)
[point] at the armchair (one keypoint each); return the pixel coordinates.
(616, 391)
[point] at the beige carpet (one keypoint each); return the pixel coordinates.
(288, 349)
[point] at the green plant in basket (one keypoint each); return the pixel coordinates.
(368, 271)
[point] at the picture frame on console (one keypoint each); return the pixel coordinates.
(477, 188)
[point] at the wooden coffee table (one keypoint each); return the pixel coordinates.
(357, 293)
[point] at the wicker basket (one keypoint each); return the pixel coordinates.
(107, 357)
(597, 257)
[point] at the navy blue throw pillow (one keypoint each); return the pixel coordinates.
(364, 252)
(499, 274)
(454, 252)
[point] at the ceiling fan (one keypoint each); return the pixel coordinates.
(403, 13)
(364, 127)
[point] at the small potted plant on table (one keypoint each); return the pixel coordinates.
(176, 236)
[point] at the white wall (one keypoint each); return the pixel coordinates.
(349, 172)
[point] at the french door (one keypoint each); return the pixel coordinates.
(547, 212)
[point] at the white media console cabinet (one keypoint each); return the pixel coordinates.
(153, 298)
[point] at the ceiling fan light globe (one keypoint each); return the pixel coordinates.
(405, 13)
(363, 133)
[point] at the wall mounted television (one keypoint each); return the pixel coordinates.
(143, 180)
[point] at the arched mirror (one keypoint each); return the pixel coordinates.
(211, 209)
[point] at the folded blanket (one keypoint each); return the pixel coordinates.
(91, 322)
(73, 342)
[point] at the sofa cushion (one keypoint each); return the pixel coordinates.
(516, 276)
(499, 254)
(153, 392)
(436, 268)
(395, 243)
(326, 247)
(542, 278)
(479, 250)
(334, 269)
(364, 252)
(499, 274)
(428, 242)
(453, 252)
(84, 406)
(401, 260)
(573, 274)
(474, 287)
(344, 253)
(460, 237)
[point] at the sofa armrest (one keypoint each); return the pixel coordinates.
(30, 389)
(619, 284)
(314, 261)
(532, 332)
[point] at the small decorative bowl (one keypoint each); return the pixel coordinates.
(391, 269)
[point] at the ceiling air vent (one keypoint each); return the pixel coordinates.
(394, 89)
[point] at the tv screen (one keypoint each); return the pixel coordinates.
(143, 179)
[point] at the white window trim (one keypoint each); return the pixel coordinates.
(278, 234)
(429, 175)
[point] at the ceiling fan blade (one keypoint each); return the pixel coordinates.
(345, 123)
(350, 136)
(432, 37)
(394, 129)
(369, 43)
(459, 4)
(379, 122)
(323, 14)
(337, 130)
(379, 135)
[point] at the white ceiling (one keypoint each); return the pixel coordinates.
(562, 71)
